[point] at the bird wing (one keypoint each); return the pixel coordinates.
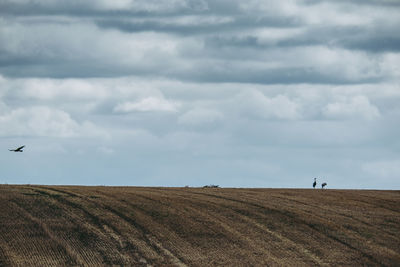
(20, 148)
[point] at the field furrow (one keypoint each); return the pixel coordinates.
(149, 226)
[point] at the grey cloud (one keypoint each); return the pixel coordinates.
(232, 23)
(245, 93)
(98, 8)
(177, 58)
(221, 42)
(203, 73)
(288, 75)
(157, 26)
(388, 3)
(67, 70)
(232, 41)
(141, 8)
(75, 50)
(376, 39)
(375, 43)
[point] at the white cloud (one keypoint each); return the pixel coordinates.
(390, 66)
(50, 89)
(147, 104)
(352, 108)
(260, 74)
(257, 104)
(44, 121)
(200, 117)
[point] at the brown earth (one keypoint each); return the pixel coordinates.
(143, 226)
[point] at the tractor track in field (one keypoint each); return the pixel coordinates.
(76, 259)
(147, 226)
(96, 222)
(291, 216)
(266, 229)
(220, 220)
(298, 221)
(217, 219)
(145, 234)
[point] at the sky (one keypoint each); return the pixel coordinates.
(196, 92)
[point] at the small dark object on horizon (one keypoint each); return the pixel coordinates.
(315, 183)
(323, 185)
(211, 186)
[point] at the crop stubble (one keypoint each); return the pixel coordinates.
(142, 226)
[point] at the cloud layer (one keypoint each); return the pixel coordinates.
(254, 93)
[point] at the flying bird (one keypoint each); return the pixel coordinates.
(18, 149)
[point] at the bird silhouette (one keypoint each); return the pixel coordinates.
(315, 183)
(18, 149)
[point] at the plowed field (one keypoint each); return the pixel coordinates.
(143, 226)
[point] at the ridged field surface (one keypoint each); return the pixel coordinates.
(148, 226)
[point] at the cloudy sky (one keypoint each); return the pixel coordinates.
(251, 93)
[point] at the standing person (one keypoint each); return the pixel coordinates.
(315, 183)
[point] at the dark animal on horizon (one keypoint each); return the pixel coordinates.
(315, 183)
(323, 185)
(18, 149)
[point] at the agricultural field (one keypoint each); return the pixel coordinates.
(148, 226)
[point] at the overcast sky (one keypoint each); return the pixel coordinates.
(195, 92)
